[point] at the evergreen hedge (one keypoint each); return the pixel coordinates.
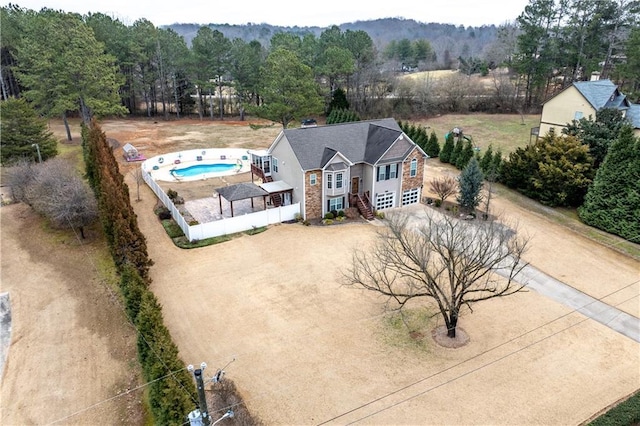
(174, 396)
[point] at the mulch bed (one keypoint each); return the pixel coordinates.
(439, 334)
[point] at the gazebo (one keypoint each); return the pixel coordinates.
(241, 191)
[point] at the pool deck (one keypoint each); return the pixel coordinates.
(206, 210)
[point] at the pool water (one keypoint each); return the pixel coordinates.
(201, 169)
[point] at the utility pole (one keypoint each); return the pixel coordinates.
(204, 413)
(200, 416)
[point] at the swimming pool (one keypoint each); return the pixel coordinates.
(202, 169)
(197, 164)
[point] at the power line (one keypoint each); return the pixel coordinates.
(128, 391)
(363, 319)
(474, 369)
(481, 354)
(117, 299)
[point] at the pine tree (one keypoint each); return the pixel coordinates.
(613, 201)
(470, 184)
(21, 128)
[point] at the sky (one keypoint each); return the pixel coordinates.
(288, 12)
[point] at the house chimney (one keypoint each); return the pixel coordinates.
(595, 76)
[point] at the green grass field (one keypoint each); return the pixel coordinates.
(504, 131)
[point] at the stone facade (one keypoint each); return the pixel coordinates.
(313, 195)
(417, 181)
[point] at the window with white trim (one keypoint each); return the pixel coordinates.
(275, 164)
(329, 180)
(313, 179)
(578, 115)
(336, 204)
(338, 180)
(390, 171)
(413, 169)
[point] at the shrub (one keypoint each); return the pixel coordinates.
(341, 213)
(438, 203)
(163, 213)
(172, 194)
(329, 215)
(327, 221)
(380, 215)
(625, 413)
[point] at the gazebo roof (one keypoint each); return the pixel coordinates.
(241, 191)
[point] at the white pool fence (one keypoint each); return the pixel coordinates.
(224, 226)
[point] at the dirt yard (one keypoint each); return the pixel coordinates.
(310, 351)
(71, 347)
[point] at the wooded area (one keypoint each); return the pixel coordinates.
(94, 64)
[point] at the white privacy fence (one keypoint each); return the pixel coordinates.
(223, 226)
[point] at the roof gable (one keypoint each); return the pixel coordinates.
(357, 142)
(598, 93)
(399, 150)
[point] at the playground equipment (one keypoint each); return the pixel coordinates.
(458, 135)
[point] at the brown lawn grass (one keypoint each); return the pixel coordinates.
(308, 349)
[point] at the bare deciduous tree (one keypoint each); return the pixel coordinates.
(444, 187)
(19, 179)
(139, 179)
(55, 190)
(453, 262)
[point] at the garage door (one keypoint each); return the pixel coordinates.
(385, 200)
(410, 196)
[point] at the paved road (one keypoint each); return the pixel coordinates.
(608, 315)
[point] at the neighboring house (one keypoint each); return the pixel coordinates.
(584, 99)
(371, 165)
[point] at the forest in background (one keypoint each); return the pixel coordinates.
(65, 63)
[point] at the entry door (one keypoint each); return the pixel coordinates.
(287, 199)
(354, 185)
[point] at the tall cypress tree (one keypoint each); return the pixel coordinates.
(447, 149)
(613, 200)
(465, 155)
(457, 151)
(432, 147)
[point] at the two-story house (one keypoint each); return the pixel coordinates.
(584, 99)
(371, 165)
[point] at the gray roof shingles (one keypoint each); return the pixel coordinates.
(597, 92)
(362, 141)
(633, 115)
(241, 191)
(604, 94)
